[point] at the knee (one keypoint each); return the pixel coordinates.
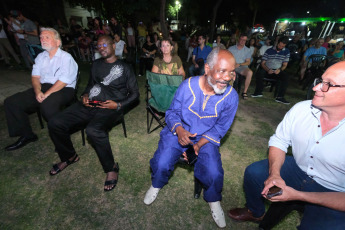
(93, 132)
(256, 170)
(55, 125)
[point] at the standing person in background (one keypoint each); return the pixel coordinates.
(193, 43)
(5, 44)
(29, 30)
(130, 35)
(142, 32)
(148, 54)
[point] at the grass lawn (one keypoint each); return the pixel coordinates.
(32, 199)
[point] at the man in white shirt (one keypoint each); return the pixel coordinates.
(53, 81)
(315, 173)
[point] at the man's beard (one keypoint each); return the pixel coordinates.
(46, 47)
(215, 88)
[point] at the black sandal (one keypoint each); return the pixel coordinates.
(244, 96)
(114, 181)
(68, 162)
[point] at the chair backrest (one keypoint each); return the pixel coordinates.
(34, 50)
(163, 88)
(316, 61)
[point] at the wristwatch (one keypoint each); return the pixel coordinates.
(118, 106)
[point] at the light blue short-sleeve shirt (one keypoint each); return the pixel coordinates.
(61, 67)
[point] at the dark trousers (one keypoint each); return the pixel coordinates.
(147, 63)
(20, 105)
(282, 81)
(314, 216)
(97, 121)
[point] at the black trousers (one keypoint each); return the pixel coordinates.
(147, 63)
(97, 121)
(20, 105)
(282, 81)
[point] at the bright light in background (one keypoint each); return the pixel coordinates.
(308, 12)
(178, 7)
(286, 21)
(303, 23)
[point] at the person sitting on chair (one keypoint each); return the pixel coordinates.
(315, 173)
(167, 63)
(147, 57)
(199, 116)
(112, 86)
(53, 81)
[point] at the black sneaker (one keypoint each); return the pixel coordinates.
(256, 95)
(282, 100)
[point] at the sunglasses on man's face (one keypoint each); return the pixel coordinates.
(102, 45)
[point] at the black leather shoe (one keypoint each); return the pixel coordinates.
(22, 141)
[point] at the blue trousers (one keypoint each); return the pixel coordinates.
(208, 168)
(314, 217)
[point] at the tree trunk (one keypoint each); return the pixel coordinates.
(213, 21)
(162, 19)
(254, 17)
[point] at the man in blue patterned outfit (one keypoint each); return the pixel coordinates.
(201, 113)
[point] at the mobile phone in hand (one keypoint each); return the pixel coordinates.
(274, 191)
(191, 156)
(94, 102)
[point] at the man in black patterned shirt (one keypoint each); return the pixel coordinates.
(112, 86)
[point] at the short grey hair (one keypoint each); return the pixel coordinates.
(56, 34)
(213, 57)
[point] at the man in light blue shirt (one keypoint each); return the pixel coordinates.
(53, 82)
(243, 56)
(317, 49)
(315, 174)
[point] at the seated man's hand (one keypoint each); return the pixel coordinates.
(196, 147)
(183, 136)
(40, 97)
(270, 71)
(277, 71)
(272, 180)
(287, 195)
(237, 65)
(108, 104)
(85, 100)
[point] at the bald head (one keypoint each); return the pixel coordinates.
(336, 72)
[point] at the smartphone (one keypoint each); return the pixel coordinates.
(94, 102)
(274, 191)
(191, 156)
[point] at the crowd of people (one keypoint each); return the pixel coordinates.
(200, 114)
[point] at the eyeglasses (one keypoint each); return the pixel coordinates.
(102, 45)
(325, 85)
(221, 72)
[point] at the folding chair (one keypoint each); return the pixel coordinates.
(160, 91)
(34, 50)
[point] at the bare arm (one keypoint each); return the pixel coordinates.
(58, 85)
(276, 158)
(154, 69)
(181, 72)
(333, 200)
(36, 85)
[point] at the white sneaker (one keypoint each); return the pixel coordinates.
(151, 195)
(217, 214)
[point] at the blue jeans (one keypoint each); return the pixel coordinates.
(314, 217)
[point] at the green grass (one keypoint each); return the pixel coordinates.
(74, 199)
